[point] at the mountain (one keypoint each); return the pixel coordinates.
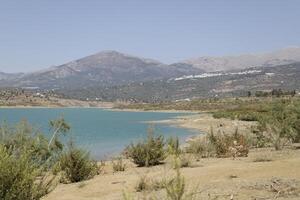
(280, 57)
(112, 68)
(101, 69)
(9, 76)
(215, 84)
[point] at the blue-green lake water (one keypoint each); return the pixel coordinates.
(104, 133)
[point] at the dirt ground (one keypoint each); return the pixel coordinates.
(264, 174)
(215, 178)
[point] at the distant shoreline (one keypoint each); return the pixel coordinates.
(161, 111)
(205, 122)
(14, 107)
(108, 108)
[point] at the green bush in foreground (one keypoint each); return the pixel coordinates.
(21, 178)
(77, 165)
(149, 152)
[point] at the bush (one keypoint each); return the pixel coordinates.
(248, 117)
(173, 146)
(118, 164)
(143, 184)
(149, 152)
(21, 178)
(175, 188)
(201, 147)
(220, 145)
(227, 145)
(223, 114)
(77, 166)
(26, 162)
(23, 137)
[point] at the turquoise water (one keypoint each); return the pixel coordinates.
(104, 133)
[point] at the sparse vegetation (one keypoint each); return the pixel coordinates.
(173, 146)
(30, 163)
(220, 145)
(148, 152)
(76, 165)
(143, 184)
(25, 163)
(21, 177)
(118, 164)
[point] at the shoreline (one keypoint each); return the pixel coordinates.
(160, 111)
(198, 122)
(36, 107)
(205, 123)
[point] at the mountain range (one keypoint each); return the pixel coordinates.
(207, 85)
(112, 68)
(101, 69)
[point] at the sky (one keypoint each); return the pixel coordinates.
(37, 34)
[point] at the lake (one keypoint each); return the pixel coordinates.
(103, 132)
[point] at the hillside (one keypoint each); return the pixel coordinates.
(112, 68)
(221, 84)
(9, 76)
(113, 76)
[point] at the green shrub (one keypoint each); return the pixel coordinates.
(118, 164)
(142, 184)
(248, 117)
(173, 146)
(229, 145)
(223, 114)
(148, 152)
(26, 162)
(220, 145)
(23, 137)
(21, 177)
(58, 126)
(201, 147)
(175, 187)
(77, 166)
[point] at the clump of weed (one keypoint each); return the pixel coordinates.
(143, 184)
(76, 165)
(173, 146)
(118, 164)
(220, 145)
(21, 177)
(148, 152)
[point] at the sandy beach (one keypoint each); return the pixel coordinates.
(204, 123)
(216, 178)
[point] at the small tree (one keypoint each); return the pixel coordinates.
(21, 177)
(77, 165)
(59, 126)
(173, 146)
(148, 152)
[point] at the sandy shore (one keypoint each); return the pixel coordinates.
(160, 111)
(205, 122)
(60, 103)
(218, 178)
(275, 176)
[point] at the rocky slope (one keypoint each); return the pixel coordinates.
(216, 84)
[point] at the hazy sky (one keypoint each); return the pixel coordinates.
(36, 34)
